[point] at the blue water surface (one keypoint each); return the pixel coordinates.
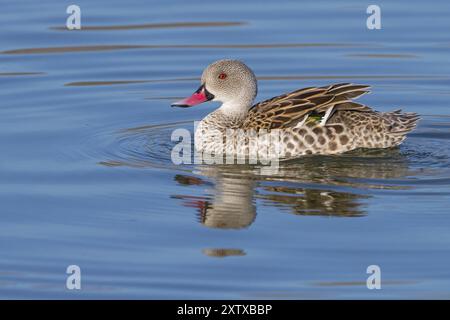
(87, 178)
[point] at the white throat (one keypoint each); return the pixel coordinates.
(234, 108)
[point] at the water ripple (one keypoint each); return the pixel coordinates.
(155, 26)
(68, 49)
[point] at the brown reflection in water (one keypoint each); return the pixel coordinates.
(383, 55)
(222, 252)
(308, 187)
(174, 46)
(118, 82)
(261, 78)
(101, 83)
(155, 26)
(71, 49)
(361, 283)
(351, 77)
(165, 98)
(13, 74)
(314, 202)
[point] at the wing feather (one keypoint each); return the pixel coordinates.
(289, 109)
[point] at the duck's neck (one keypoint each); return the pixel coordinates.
(233, 110)
(236, 108)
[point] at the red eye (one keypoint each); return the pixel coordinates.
(222, 76)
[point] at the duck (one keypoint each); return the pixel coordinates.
(314, 120)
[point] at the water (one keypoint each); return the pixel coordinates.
(86, 176)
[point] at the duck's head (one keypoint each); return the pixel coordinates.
(228, 81)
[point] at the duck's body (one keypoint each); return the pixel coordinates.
(318, 120)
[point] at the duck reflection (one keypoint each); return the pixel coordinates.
(228, 204)
(310, 202)
(312, 186)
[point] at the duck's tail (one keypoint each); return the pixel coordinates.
(399, 124)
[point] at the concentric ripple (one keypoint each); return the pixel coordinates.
(142, 147)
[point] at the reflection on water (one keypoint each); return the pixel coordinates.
(361, 283)
(13, 74)
(230, 205)
(383, 55)
(310, 202)
(174, 46)
(309, 186)
(260, 78)
(229, 202)
(116, 82)
(71, 49)
(222, 252)
(182, 25)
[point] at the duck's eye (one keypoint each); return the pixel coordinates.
(222, 76)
